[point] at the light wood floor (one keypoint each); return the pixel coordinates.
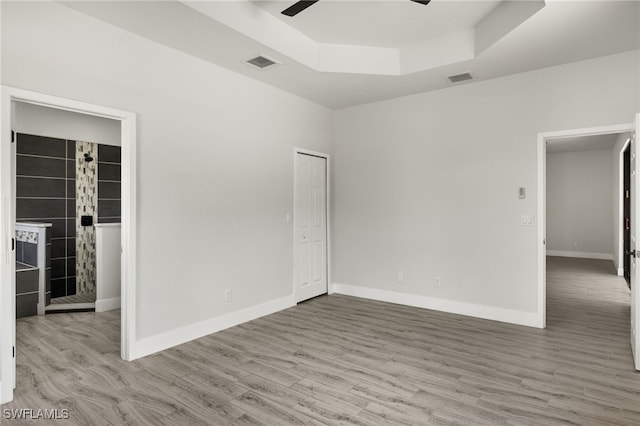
(342, 360)
(76, 298)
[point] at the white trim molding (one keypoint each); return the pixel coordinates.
(127, 120)
(493, 313)
(108, 304)
(160, 342)
(580, 254)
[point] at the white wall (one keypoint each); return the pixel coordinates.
(618, 211)
(215, 159)
(108, 266)
(427, 184)
(57, 123)
(580, 204)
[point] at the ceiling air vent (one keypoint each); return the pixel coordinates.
(261, 62)
(459, 78)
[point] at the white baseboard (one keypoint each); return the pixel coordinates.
(150, 345)
(621, 272)
(529, 319)
(634, 349)
(636, 360)
(104, 305)
(580, 254)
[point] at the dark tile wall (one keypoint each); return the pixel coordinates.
(45, 192)
(27, 253)
(27, 292)
(109, 186)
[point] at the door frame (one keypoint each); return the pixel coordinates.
(542, 201)
(127, 119)
(621, 203)
(327, 157)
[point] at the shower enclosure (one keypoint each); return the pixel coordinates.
(72, 185)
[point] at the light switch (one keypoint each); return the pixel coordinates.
(521, 192)
(287, 218)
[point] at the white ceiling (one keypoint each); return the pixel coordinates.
(582, 143)
(560, 32)
(381, 23)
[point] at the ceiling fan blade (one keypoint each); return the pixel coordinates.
(425, 2)
(298, 7)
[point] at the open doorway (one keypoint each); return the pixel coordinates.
(585, 194)
(584, 287)
(581, 250)
(67, 181)
(11, 98)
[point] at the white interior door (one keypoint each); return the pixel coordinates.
(310, 221)
(635, 245)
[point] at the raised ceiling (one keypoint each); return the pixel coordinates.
(381, 23)
(452, 43)
(512, 37)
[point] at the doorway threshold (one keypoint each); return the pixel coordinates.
(75, 302)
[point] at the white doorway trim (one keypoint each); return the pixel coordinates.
(327, 157)
(7, 219)
(542, 201)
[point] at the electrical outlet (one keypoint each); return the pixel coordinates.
(526, 220)
(227, 295)
(399, 277)
(436, 281)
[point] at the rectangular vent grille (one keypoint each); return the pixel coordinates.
(260, 62)
(459, 78)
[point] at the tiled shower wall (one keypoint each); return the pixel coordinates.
(45, 192)
(101, 201)
(109, 192)
(86, 205)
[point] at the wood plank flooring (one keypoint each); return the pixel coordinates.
(76, 298)
(340, 360)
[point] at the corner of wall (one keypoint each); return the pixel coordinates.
(160, 342)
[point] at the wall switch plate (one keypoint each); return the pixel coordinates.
(436, 281)
(227, 295)
(399, 277)
(521, 192)
(287, 218)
